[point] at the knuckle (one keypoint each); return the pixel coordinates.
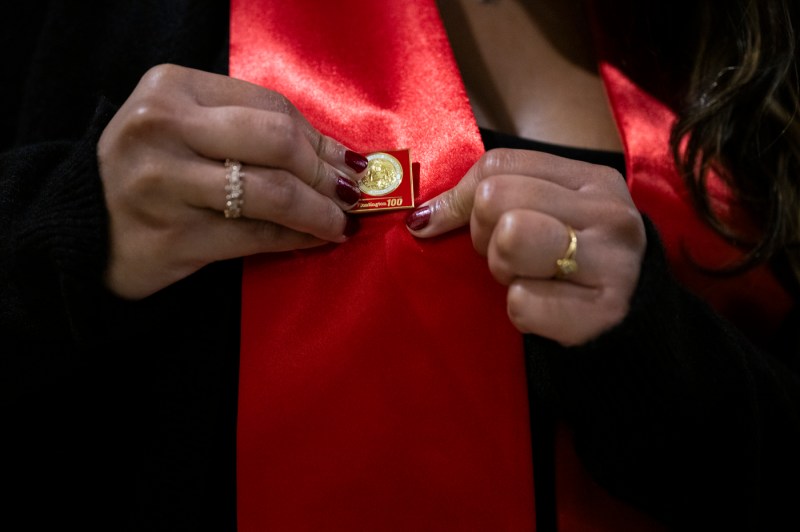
(635, 225)
(611, 175)
(606, 181)
(282, 192)
(508, 238)
(494, 161)
(279, 103)
(160, 75)
(149, 115)
(319, 175)
(322, 143)
(625, 220)
(146, 184)
(461, 205)
(457, 204)
(485, 193)
(486, 199)
(284, 133)
(516, 307)
(499, 268)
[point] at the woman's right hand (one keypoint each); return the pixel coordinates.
(161, 159)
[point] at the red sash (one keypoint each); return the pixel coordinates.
(755, 301)
(381, 383)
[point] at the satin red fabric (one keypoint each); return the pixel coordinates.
(381, 384)
(755, 301)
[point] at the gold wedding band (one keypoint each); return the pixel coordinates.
(234, 193)
(567, 265)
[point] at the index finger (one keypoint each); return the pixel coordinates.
(452, 208)
(215, 90)
(266, 139)
(447, 211)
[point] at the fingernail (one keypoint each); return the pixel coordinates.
(347, 191)
(418, 218)
(352, 226)
(356, 161)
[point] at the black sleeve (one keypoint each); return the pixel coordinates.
(70, 65)
(57, 403)
(677, 412)
(114, 415)
(53, 247)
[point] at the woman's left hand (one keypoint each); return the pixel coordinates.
(520, 206)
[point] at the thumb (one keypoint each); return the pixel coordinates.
(447, 211)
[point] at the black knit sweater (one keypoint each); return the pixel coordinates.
(116, 415)
(121, 415)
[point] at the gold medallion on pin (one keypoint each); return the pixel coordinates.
(388, 183)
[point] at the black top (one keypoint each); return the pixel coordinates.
(543, 417)
(496, 139)
(121, 416)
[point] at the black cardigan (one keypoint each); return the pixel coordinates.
(121, 415)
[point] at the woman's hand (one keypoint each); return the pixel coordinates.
(162, 157)
(520, 205)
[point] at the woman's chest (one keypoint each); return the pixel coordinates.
(529, 70)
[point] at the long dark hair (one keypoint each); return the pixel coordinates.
(740, 117)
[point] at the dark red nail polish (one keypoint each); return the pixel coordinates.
(347, 191)
(356, 161)
(419, 218)
(352, 226)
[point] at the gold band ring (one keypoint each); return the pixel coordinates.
(234, 193)
(567, 265)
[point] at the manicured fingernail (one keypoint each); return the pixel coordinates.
(356, 161)
(352, 226)
(418, 218)
(347, 191)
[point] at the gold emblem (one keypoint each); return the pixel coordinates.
(384, 175)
